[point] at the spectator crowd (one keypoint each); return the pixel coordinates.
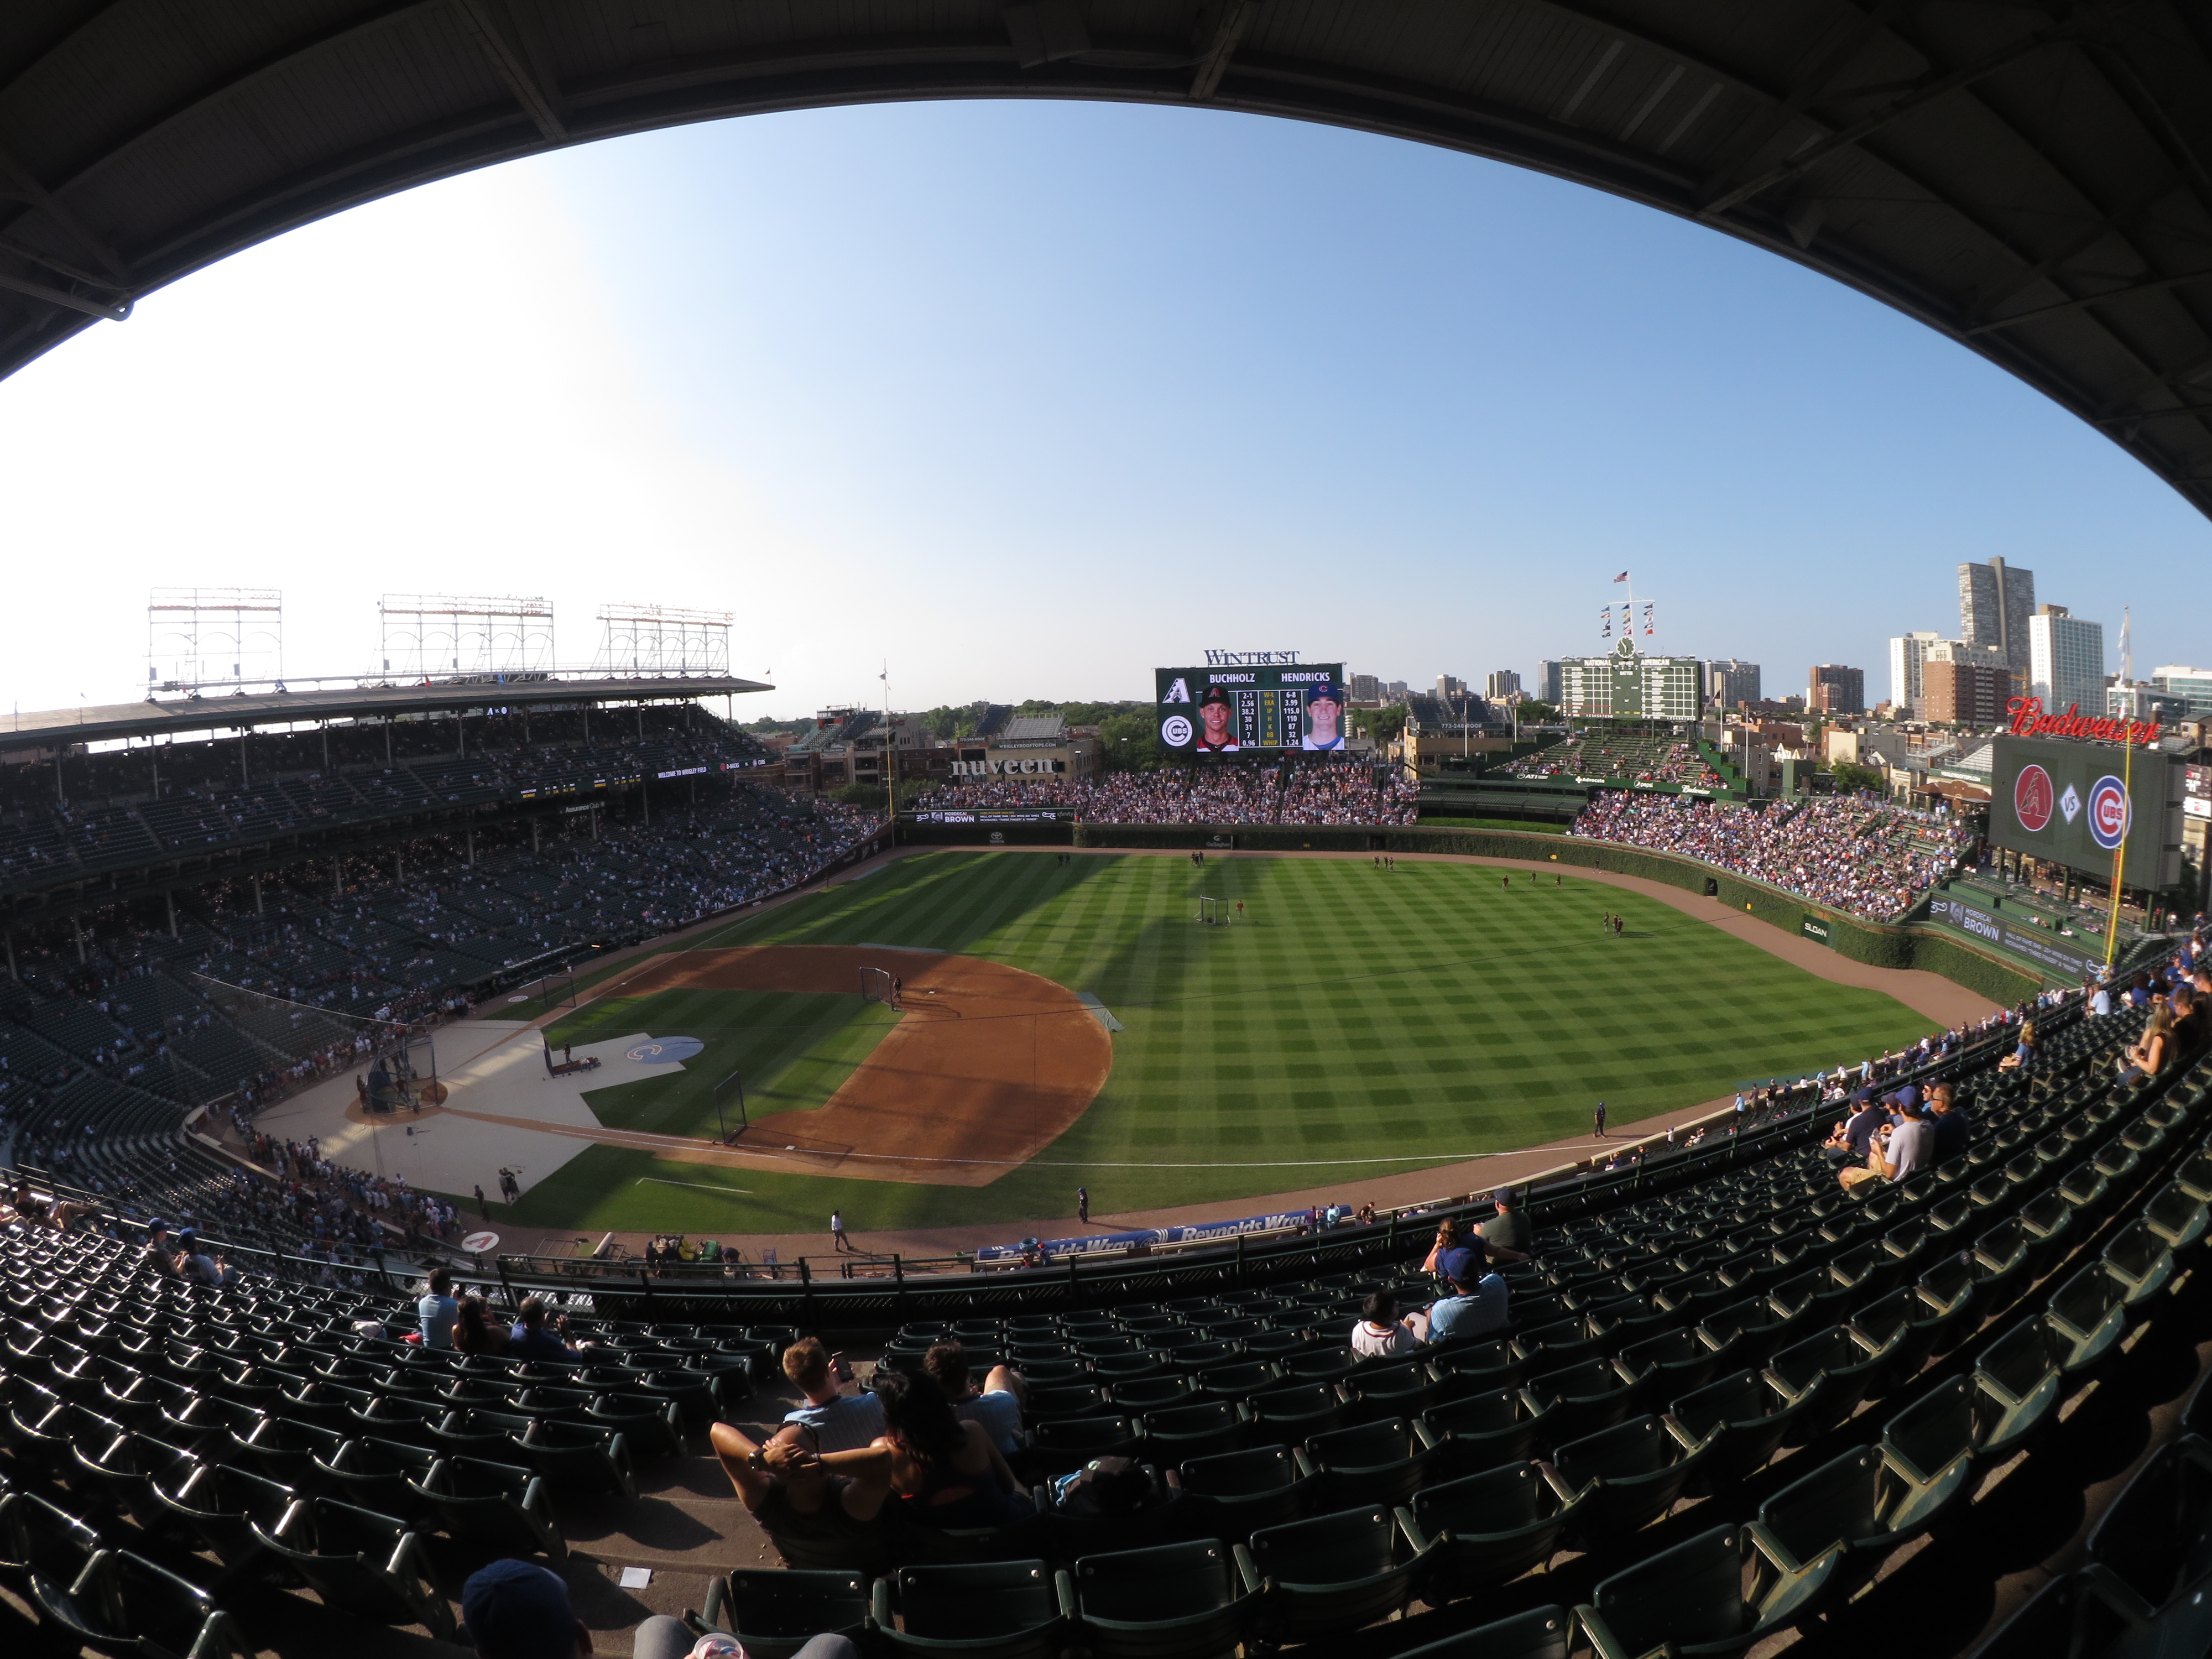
(1324, 792)
(1866, 858)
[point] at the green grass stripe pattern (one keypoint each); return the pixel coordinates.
(1354, 1022)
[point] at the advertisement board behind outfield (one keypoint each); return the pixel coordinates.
(2058, 956)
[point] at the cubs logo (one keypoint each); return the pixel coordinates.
(1175, 732)
(2109, 812)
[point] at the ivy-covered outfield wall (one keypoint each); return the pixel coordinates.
(1910, 945)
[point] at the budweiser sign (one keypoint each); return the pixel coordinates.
(2028, 721)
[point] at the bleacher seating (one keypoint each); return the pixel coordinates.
(1719, 1412)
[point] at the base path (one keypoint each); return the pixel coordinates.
(986, 1067)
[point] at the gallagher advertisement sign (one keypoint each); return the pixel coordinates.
(2075, 802)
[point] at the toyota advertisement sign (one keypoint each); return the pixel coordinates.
(2075, 802)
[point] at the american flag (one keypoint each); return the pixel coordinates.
(1622, 577)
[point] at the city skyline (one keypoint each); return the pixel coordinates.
(918, 408)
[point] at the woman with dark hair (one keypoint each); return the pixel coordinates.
(475, 1330)
(948, 1473)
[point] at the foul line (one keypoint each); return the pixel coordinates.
(703, 1185)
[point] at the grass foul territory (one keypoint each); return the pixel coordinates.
(1349, 1022)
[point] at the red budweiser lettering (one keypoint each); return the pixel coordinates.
(2028, 721)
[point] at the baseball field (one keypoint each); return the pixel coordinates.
(1346, 1023)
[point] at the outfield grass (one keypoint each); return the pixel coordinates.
(1355, 1023)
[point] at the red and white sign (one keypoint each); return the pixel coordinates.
(2108, 813)
(2032, 797)
(477, 1243)
(2028, 721)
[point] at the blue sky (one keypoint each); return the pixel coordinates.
(1026, 398)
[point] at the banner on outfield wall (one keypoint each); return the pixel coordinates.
(1813, 928)
(2033, 943)
(1197, 1232)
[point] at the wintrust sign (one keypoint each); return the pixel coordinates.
(2028, 721)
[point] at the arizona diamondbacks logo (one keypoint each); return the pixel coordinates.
(1177, 691)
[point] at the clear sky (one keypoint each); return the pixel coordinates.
(1026, 398)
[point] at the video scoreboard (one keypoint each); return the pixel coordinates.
(2075, 802)
(1203, 712)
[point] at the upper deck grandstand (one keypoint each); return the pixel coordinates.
(219, 918)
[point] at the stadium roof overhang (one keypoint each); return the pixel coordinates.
(2030, 179)
(113, 722)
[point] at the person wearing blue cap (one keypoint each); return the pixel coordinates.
(1324, 717)
(1477, 1304)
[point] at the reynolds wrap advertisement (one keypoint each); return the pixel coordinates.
(2058, 956)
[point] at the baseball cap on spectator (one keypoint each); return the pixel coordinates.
(513, 1610)
(1461, 1264)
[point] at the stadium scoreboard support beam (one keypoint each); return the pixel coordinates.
(664, 639)
(212, 636)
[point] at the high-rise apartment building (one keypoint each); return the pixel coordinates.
(1366, 688)
(1996, 601)
(1501, 685)
(1972, 691)
(1547, 682)
(2066, 661)
(1833, 689)
(1450, 687)
(1906, 652)
(1731, 681)
(2192, 685)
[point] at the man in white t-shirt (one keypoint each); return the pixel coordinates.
(997, 1405)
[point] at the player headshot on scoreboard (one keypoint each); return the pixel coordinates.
(1216, 721)
(1324, 718)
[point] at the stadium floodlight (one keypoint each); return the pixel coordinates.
(427, 635)
(204, 636)
(663, 639)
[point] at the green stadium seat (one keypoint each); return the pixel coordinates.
(2177, 1217)
(1396, 1388)
(2090, 1312)
(776, 1612)
(1371, 1463)
(381, 1475)
(494, 1504)
(1581, 1399)
(1539, 1633)
(1628, 1475)
(1477, 1365)
(1835, 1362)
(1332, 1574)
(1295, 1414)
(983, 1610)
(1194, 1601)
(1930, 1448)
(1690, 1601)
(127, 1607)
(579, 1457)
(223, 1505)
(2141, 1261)
(1742, 1420)
(1483, 1431)
(1063, 1446)
(1055, 1404)
(1197, 1430)
(1667, 1365)
(1234, 1494)
(360, 1562)
(1488, 1528)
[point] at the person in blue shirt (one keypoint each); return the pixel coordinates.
(529, 1339)
(1477, 1305)
(437, 1310)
